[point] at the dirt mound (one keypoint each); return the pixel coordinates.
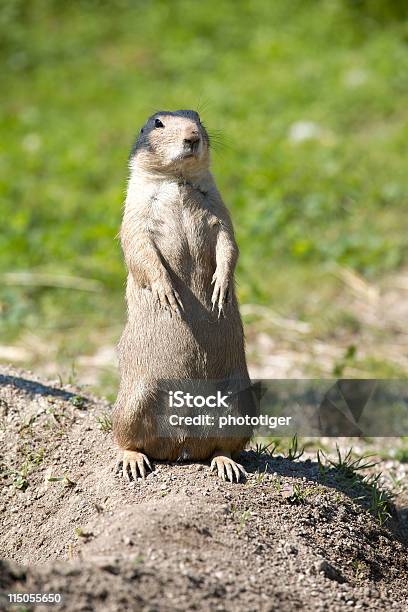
(289, 538)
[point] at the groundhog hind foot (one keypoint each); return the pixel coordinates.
(226, 468)
(132, 465)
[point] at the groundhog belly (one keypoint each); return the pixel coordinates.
(157, 343)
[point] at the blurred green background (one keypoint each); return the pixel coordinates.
(309, 100)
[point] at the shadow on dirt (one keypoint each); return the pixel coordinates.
(32, 388)
(362, 490)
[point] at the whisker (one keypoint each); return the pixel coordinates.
(203, 103)
(218, 140)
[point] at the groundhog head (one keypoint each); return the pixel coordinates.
(172, 142)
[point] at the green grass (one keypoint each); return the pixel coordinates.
(104, 422)
(349, 471)
(78, 81)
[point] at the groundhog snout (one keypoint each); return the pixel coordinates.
(191, 139)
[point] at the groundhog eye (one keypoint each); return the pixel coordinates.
(158, 123)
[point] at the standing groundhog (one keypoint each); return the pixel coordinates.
(183, 318)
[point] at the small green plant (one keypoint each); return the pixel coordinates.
(20, 481)
(360, 569)
(33, 456)
(347, 467)
(380, 500)
(397, 482)
(264, 449)
(80, 533)
(78, 401)
(322, 468)
(294, 452)
(243, 519)
(277, 485)
(347, 360)
(37, 457)
(66, 480)
(261, 475)
(299, 494)
(104, 422)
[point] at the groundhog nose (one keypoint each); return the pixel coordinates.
(191, 140)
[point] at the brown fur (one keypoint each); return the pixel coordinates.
(177, 238)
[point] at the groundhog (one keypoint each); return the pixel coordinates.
(183, 318)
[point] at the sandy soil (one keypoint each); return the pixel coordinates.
(286, 539)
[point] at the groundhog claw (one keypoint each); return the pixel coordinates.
(227, 468)
(135, 462)
(220, 295)
(167, 297)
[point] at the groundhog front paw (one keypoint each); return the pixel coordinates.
(133, 463)
(166, 296)
(220, 296)
(226, 468)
